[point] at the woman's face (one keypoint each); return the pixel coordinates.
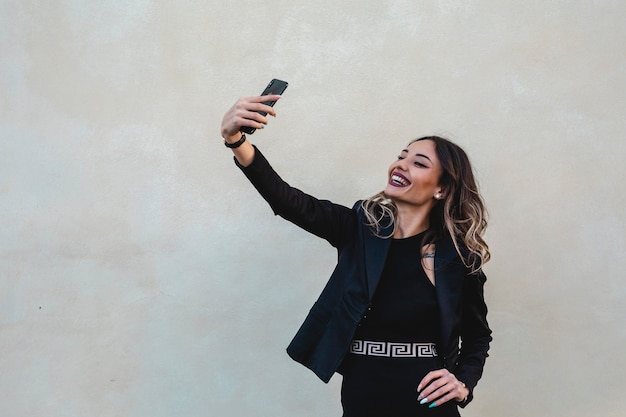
(414, 177)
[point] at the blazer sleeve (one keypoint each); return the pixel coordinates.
(475, 333)
(323, 218)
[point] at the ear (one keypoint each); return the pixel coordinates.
(440, 195)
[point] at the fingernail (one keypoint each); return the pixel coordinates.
(424, 401)
(262, 126)
(433, 405)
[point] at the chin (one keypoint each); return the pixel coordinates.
(392, 192)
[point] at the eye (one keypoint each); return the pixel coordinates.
(400, 157)
(419, 164)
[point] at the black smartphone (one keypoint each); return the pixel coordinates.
(274, 87)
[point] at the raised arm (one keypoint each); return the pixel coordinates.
(330, 221)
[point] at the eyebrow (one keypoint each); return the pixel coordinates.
(418, 154)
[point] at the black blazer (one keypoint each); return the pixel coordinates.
(325, 336)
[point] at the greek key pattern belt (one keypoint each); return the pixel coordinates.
(393, 349)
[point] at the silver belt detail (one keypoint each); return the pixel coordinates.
(393, 349)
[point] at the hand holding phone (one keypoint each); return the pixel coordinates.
(274, 87)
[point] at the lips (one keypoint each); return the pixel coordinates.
(399, 180)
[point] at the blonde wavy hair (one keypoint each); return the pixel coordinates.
(461, 214)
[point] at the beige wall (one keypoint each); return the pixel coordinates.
(142, 276)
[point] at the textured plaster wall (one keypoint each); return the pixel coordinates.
(140, 275)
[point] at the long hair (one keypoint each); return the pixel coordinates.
(461, 214)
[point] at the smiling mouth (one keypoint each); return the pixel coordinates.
(399, 180)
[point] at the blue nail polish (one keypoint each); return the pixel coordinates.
(433, 405)
(424, 401)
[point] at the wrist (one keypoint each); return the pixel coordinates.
(464, 394)
(233, 138)
(238, 143)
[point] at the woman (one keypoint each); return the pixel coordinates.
(403, 316)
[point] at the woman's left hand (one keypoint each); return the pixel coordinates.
(439, 387)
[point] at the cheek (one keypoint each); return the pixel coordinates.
(426, 183)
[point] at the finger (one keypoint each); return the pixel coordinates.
(433, 391)
(258, 103)
(435, 380)
(441, 400)
(261, 99)
(246, 107)
(261, 107)
(232, 125)
(269, 97)
(252, 124)
(431, 376)
(438, 393)
(245, 116)
(451, 390)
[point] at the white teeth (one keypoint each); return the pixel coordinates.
(399, 180)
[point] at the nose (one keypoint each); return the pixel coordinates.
(401, 164)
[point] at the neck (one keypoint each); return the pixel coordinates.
(411, 220)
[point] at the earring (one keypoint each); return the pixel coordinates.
(438, 196)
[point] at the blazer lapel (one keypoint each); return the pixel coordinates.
(375, 253)
(448, 286)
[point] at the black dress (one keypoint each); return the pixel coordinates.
(381, 372)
